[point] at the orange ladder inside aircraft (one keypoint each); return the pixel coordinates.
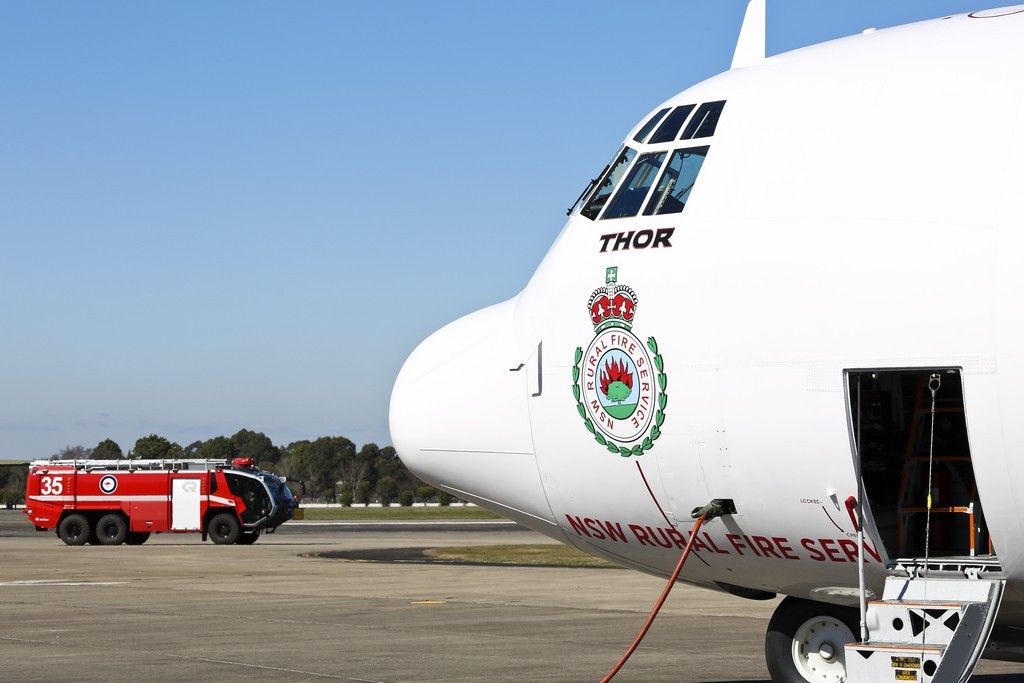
(915, 469)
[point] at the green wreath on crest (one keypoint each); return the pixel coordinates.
(659, 415)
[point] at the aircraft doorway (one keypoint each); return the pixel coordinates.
(891, 419)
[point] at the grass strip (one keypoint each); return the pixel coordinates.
(344, 514)
(537, 555)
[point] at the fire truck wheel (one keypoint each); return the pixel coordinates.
(136, 537)
(74, 529)
(249, 537)
(112, 529)
(224, 529)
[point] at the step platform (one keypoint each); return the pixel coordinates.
(925, 630)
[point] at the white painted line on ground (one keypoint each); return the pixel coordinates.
(409, 522)
(60, 582)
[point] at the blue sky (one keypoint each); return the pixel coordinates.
(227, 215)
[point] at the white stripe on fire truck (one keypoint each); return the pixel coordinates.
(144, 499)
(93, 499)
(114, 496)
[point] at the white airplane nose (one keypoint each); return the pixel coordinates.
(460, 416)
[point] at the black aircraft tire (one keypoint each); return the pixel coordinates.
(224, 529)
(805, 639)
(74, 529)
(112, 529)
(136, 537)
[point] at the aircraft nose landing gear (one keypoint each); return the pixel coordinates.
(805, 640)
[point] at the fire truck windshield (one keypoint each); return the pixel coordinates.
(277, 487)
(254, 494)
(282, 496)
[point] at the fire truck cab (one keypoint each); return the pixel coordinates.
(124, 501)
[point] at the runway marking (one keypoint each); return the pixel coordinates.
(428, 602)
(60, 582)
(270, 668)
(411, 522)
(210, 660)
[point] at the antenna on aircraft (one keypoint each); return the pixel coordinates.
(750, 49)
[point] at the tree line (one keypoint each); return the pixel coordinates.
(12, 484)
(329, 469)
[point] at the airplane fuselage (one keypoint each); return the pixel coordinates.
(752, 301)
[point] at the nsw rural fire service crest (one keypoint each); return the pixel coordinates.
(619, 381)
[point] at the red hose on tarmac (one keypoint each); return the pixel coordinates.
(659, 603)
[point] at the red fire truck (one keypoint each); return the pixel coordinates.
(124, 501)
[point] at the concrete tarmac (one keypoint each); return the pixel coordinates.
(177, 609)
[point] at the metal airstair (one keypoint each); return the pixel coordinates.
(931, 628)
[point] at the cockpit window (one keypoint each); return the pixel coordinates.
(634, 189)
(668, 130)
(649, 126)
(676, 182)
(608, 182)
(704, 122)
(652, 184)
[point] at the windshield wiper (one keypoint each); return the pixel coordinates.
(586, 191)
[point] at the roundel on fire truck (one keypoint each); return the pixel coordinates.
(618, 381)
(108, 484)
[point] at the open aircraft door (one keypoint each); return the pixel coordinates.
(912, 448)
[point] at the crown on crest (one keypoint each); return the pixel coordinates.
(613, 305)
